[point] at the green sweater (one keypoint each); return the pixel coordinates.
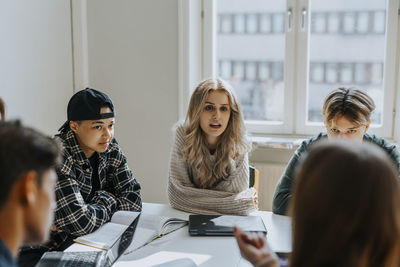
(283, 191)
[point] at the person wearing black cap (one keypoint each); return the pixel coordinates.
(94, 180)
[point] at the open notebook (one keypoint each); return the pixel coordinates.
(149, 227)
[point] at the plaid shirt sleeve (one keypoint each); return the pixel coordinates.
(123, 184)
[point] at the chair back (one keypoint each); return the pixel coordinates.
(254, 177)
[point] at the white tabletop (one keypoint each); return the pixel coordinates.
(203, 250)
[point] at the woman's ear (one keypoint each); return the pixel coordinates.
(367, 126)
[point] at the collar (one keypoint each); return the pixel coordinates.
(71, 143)
(6, 255)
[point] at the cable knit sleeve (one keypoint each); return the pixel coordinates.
(230, 197)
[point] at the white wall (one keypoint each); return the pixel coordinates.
(127, 48)
(133, 57)
(132, 49)
(36, 61)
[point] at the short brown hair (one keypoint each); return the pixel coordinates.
(353, 104)
(346, 207)
(24, 149)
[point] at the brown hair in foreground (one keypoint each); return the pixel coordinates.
(346, 208)
(24, 149)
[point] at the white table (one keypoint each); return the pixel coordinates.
(204, 251)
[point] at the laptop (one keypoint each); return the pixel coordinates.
(222, 225)
(91, 258)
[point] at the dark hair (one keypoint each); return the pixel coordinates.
(2, 109)
(353, 104)
(346, 207)
(23, 149)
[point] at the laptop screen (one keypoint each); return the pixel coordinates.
(91, 258)
(119, 247)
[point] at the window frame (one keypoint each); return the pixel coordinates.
(389, 78)
(295, 82)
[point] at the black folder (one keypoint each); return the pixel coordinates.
(222, 225)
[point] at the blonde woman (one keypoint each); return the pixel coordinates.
(209, 170)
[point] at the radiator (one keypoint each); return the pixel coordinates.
(269, 176)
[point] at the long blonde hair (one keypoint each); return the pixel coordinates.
(231, 144)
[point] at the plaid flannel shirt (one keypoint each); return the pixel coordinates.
(77, 215)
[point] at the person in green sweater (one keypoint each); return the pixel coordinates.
(346, 114)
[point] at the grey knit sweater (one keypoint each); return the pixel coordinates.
(231, 196)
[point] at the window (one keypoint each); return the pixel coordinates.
(265, 23)
(346, 73)
(333, 22)
(379, 22)
(363, 22)
(257, 72)
(319, 23)
(284, 57)
(252, 23)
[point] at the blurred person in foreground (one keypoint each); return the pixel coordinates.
(345, 211)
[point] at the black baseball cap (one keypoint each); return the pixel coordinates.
(86, 105)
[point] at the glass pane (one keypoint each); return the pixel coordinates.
(263, 71)
(265, 23)
(251, 71)
(317, 72)
(363, 22)
(333, 22)
(239, 23)
(251, 23)
(319, 24)
(379, 22)
(376, 73)
(225, 69)
(238, 70)
(331, 73)
(349, 22)
(347, 46)
(250, 54)
(278, 23)
(361, 73)
(225, 24)
(346, 73)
